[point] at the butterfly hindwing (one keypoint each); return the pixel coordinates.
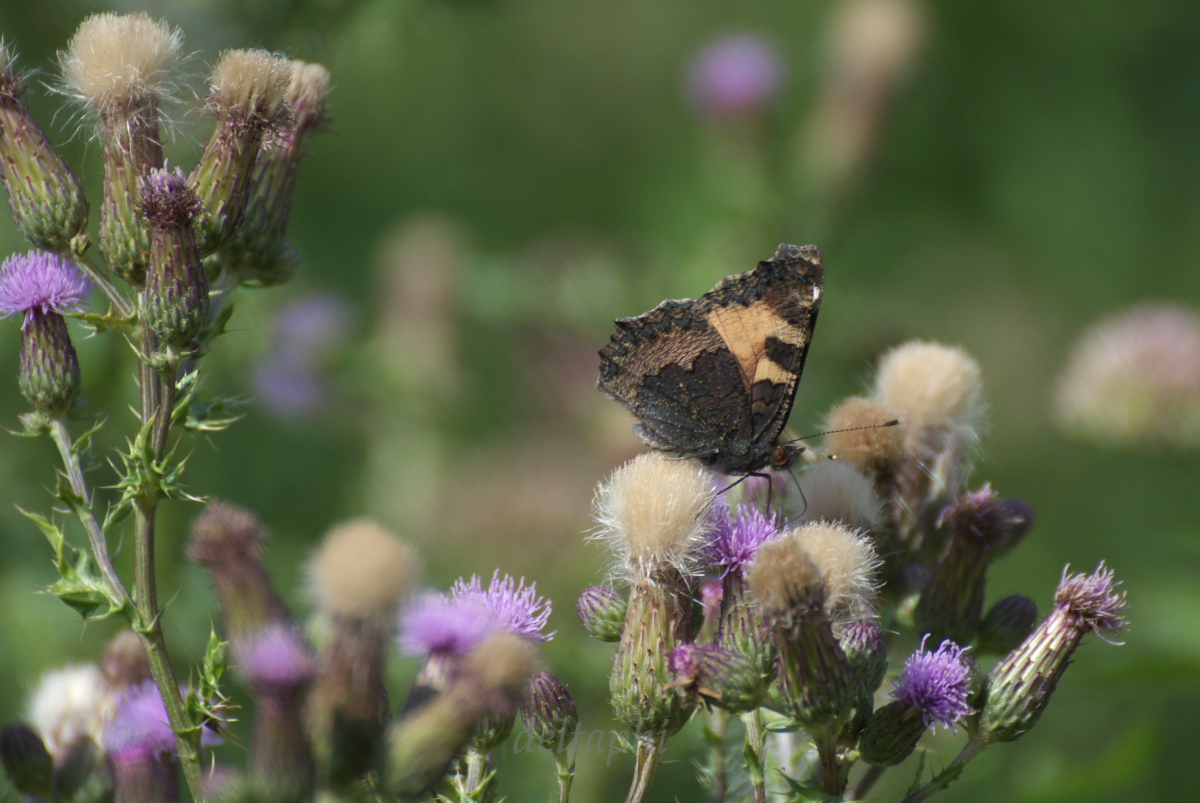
(715, 378)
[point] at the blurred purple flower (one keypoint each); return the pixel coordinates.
(290, 378)
(735, 75)
(440, 623)
(517, 609)
(40, 281)
(936, 683)
(139, 728)
(276, 656)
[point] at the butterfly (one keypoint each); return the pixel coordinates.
(714, 378)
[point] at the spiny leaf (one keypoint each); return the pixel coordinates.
(51, 530)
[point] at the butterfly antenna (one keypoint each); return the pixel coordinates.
(893, 423)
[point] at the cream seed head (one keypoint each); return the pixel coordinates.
(785, 581)
(856, 437)
(361, 570)
(654, 511)
(253, 83)
(838, 492)
(70, 703)
(932, 386)
(847, 561)
(121, 61)
(307, 94)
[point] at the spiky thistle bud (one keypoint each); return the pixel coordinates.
(937, 394)
(932, 689)
(120, 66)
(42, 287)
(602, 610)
(654, 512)
(739, 533)
(951, 605)
(720, 677)
(1007, 624)
(257, 252)
(865, 649)
(359, 575)
(549, 713)
(26, 761)
(47, 201)
(227, 540)
(421, 746)
(1019, 685)
(247, 98)
(174, 303)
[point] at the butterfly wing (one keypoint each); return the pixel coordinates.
(715, 378)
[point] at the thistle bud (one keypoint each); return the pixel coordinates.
(421, 746)
(43, 286)
(227, 540)
(549, 713)
(951, 605)
(932, 689)
(174, 303)
(1007, 624)
(655, 512)
(721, 677)
(120, 66)
(247, 98)
(937, 394)
(602, 610)
(1019, 686)
(359, 575)
(47, 201)
(26, 761)
(815, 677)
(866, 651)
(257, 251)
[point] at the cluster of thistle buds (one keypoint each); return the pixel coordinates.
(751, 601)
(321, 721)
(178, 242)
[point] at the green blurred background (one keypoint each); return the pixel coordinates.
(502, 179)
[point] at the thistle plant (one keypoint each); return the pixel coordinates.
(155, 227)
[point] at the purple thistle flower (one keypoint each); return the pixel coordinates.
(1091, 602)
(275, 657)
(440, 623)
(735, 75)
(936, 683)
(737, 537)
(139, 728)
(517, 609)
(40, 281)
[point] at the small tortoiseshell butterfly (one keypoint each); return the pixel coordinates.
(714, 378)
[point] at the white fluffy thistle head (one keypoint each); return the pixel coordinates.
(655, 511)
(119, 62)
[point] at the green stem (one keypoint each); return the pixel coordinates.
(870, 777)
(944, 778)
(715, 725)
(756, 753)
(120, 304)
(833, 780)
(477, 784)
(158, 400)
(95, 534)
(566, 774)
(645, 764)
